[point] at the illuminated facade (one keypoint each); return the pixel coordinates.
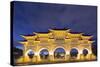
(56, 46)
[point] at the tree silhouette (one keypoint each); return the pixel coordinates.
(17, 53)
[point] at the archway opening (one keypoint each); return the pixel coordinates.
(85, 52)
(59, 53)
(30, 54)
(73, 53)
(44, 54)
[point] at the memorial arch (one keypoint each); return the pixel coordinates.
(57, 45)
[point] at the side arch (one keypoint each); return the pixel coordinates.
(74, 52)
(29, 50)
(88, 49)
(44, 54)
(85, 52)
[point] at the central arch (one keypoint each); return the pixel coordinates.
(73, 53)
(59, 53)
(44, 54)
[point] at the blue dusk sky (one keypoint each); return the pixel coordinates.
(29, 17)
